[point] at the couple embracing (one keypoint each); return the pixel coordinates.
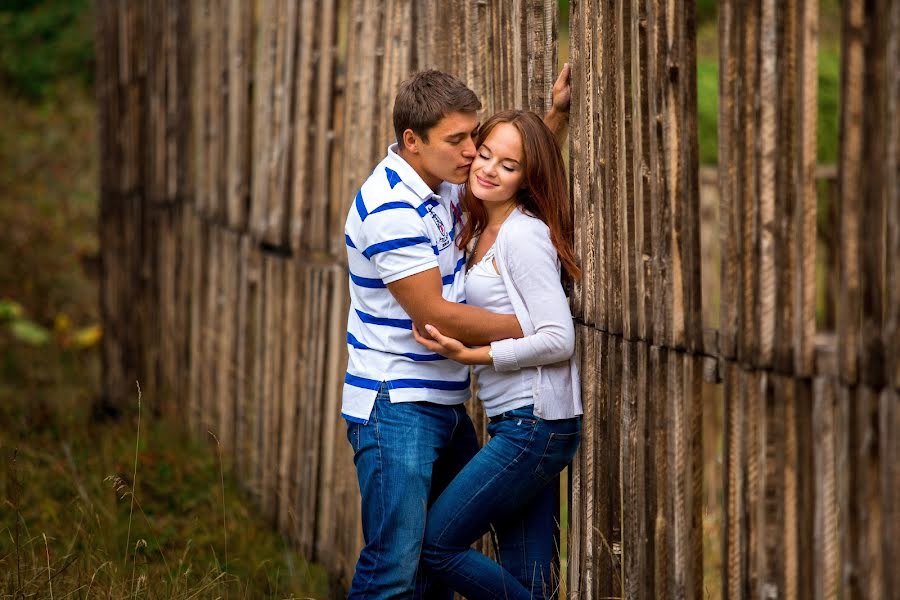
(458, 246)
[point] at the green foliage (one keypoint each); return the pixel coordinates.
(43, 41)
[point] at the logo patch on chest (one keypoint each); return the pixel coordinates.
(443, 233)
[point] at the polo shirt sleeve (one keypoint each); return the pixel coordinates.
(397, 243)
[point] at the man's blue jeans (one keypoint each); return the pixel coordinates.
(506, 486)
(405, 456)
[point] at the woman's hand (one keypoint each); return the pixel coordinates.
(451, 348)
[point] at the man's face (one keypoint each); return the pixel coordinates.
(450, 149)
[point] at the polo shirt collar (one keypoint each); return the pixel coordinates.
(406, 174)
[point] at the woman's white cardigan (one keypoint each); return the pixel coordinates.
(529, 266)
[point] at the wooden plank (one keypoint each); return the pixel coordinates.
(582, 552)
(292, 330)
(320, 220)
(217, 140)
(201, 94)
(827, 551)
(770, 535)
(658, 432)
(240, 121)
(332, 431)
(733, 572)
(209, 336)
(245, 367)
(660, 208)
(684, 480)
(850, 165)
(199, 237)
(892, 185)
(263, 89)
(889, 479)
(636, 582)
(642, 125)
(729, 212)
(179, 169)
(580, 153)
(871, 568)
(228, 336)
(612, 487)
(806, 197)
(605, 488)
(799, 544)
(300, 200)
(613, 201)
(748, 207)
(271, 369)
(625, 172)
(768, 100)
(848, 530)
(595, 23)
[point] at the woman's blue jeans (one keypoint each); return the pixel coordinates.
(506, 486)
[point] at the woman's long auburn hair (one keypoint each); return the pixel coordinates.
(545, 192)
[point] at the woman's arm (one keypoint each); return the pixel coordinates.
(531, 265)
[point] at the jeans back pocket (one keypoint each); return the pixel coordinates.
(558, 453)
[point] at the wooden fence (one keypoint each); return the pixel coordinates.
(234, 134)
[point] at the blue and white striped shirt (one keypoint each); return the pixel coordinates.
(398, 227)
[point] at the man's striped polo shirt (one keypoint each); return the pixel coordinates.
(397, 227)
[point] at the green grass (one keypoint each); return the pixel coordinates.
(67, 497)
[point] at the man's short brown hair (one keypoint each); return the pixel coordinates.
(426, 97)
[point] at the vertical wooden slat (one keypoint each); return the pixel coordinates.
(892, 187)
(201, 91)
(199, 242)
(302, 204)
(850, 163)
(729, 214)
(827, 555)
(747, 207)
(292, 330)
(869, 519)
(771, 539)
(320, 220)
(625, 174)
(768, 100)
(240, 64)
(228, 394)
(613, 195)
(642, 127)
(580, 149)
(637, 581)
(662, 525)
(805, 211)
(332, 433)
(889, 476)
(733, 532)
(246, 345)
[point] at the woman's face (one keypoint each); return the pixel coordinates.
(497, 171)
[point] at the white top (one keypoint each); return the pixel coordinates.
(499, 392)
(530, 269)
(397, 227)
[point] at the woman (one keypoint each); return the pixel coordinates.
(519, 213)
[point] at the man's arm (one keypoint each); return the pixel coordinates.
(420, 296)
(557, 118)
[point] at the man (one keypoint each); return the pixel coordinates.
(404, 406)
